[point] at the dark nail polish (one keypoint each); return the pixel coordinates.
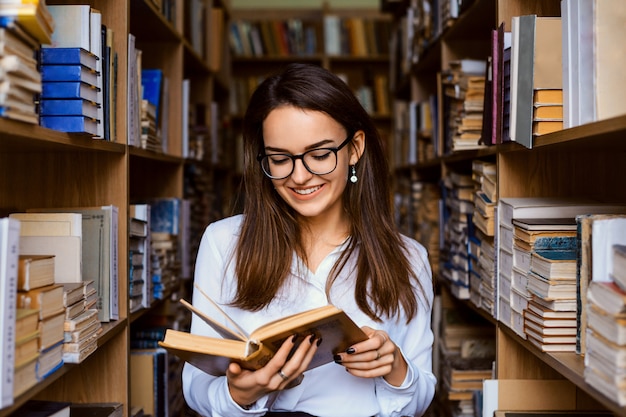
(311, 338)
(319, 341)
(350, 351)
(337, 358)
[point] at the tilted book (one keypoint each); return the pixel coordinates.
(329, 324)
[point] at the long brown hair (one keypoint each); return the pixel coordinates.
(270, 232)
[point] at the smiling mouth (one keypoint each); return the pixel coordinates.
(307, 191)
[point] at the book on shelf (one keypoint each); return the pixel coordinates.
(51, 330)
(589, 71)
(26, 348)
(606, 232)
(74, 72)
(34, 17)
(78, 352)
(551, 289)
(69, 90)
(600, 382)
(584, 269)
(538, 329)
(553, 346)
(26, 322)
(539, 225)
(71, 124)
(544, 312)
(252, 351)
(543, 127)
(610, 326)
(609, 295)
(25, 377)
(554, 264)
(73, 23)
(49, 224)
(69, 56)
(535, 64)
(50, 360)
(550, 112)
(35, 271)
(44, 408)
(47, 300)
(552, 321)
(618, 274)
(67, 251)
(68, 107)
(149, 369)
(613, 353)
(99, 252)
(559, 305)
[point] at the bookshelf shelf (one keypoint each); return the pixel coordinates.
(44, 168)
(582, 162)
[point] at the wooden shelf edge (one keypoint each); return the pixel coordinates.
(110, 330)
(570, 365)
(155, 156)
(20, 137)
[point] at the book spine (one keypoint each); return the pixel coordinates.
(68, 107)
(73, 72)
(113, 268)
(9, 250)
(70, 124)
(69, 90)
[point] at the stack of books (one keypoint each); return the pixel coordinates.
(605, 355)
(69, 100)
(140, 269)
(81, 336)
(456, 220)
(547, 111)
(530, 235)
(20, 80)
(552, 277)
(38, 352)
(484, 174)
(464, 88)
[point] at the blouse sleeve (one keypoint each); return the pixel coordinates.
(207, 394)
(415, 341)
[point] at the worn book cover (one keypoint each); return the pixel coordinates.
(328, 323)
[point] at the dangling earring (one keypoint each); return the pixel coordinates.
(353, 177)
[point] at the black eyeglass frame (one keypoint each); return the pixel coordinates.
(293, 158)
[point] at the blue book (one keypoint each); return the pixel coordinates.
(151, 81)
(70, 124)
(68, 56)
(75, 72)
(69, 89)
(165, 215)
(68, 107)
(561, 243)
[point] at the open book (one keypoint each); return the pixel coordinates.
(252, 351)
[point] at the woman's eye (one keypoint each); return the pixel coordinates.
(320, 155)
(279, 159)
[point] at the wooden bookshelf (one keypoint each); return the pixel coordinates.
(359, 67)
(40, 167)
(583, 162)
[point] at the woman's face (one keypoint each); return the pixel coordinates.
(293, 131)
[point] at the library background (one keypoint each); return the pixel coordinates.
(504, 122)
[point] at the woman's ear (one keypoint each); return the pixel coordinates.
(358, 147)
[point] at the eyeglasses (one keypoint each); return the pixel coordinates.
(320, 161)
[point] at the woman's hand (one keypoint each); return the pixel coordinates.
(246, 387)
(377, 356)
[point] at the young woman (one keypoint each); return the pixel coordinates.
(317, 229)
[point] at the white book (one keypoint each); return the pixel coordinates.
(49, 224)
(67, 251)
(99, 254)
(9, 241)
(71, 26)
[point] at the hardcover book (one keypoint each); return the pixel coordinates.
(68, 107)
(69, 89)
(74, 72)
(35, 271)
(68, 56)
(252, 351)
(71, 124)
(9, 238)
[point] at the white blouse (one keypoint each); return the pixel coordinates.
(328, 390)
